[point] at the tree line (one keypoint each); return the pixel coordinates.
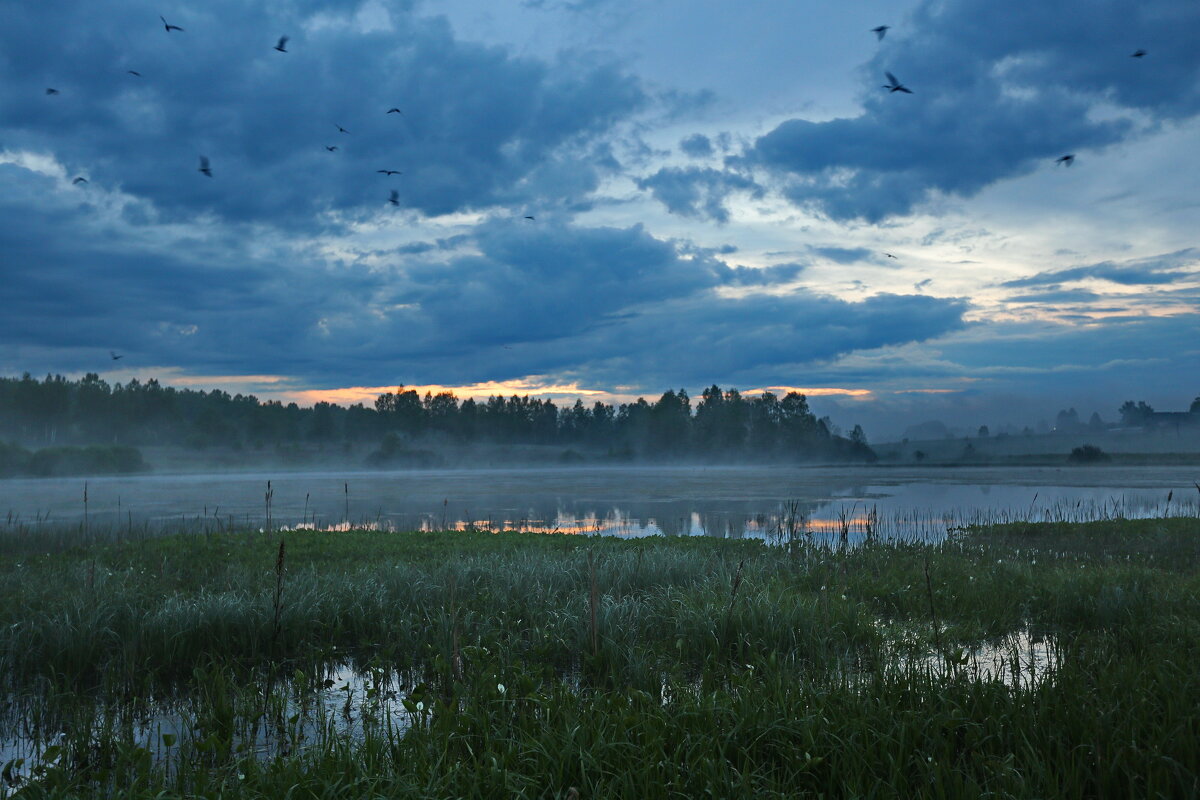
(723, 422)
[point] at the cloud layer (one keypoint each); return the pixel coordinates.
(477, 126)
(998, 91)
(507, 301)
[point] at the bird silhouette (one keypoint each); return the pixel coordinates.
(331, 147)
(169, 26)
(1068, 159)
(51, 91)
(528, 217)
(204, 167)
(282, 46)
(395, 111)
(894, 85)
(889, 255)
(115, 357)
(389, 171)
(1139, 53)
(880, 32)
(394, 199)
(134, 73)
(340, 128)
(79, 180)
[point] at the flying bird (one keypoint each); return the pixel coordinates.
(340, 128)
(528, 217)
(894, 85)
(79, 180)
(394, 199)
(331, 147)
(115, 357)
(389, 172)
(169, 26)
(282, 46)
(889, 255)
(880, 32)
(1139, 53)
(51, 91)
(1068, 159)
(134, 73)
(395, 111)
(207, 170)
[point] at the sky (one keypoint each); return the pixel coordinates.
(610, 198)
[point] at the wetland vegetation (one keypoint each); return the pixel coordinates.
(1017, 660)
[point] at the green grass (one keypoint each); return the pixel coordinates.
(632, 668)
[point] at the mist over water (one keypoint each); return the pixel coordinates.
(629, 501)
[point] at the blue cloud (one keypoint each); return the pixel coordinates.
(697, 192)
(845, 255)
(697, 146)
(999, 91)
(1158, 270)
(761, 276)
(480, 126)
(603, 304)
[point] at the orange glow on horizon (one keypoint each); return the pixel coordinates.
(820, 391)
(367, 394)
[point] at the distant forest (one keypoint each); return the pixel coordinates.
(722, 424)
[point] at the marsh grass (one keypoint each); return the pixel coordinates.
(478, 664)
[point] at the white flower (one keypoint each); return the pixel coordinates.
(420, 705)
(500, 688)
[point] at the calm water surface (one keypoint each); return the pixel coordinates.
(712, 501)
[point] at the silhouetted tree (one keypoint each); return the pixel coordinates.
(670, 423)
(1133, 414)
(857, 436)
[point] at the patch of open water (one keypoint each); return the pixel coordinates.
(624, 501)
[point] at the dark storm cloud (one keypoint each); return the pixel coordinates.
(605, 303)
(697, 192)
(760, 339)
(1000, 90)
(479, 126)
(1155, 271)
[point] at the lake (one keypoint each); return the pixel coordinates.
(629, 500)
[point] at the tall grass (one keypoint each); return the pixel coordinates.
(478, 664)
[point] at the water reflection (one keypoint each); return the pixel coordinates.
(728, 502)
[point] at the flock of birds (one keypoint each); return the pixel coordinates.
(892, 86)
(205, 167)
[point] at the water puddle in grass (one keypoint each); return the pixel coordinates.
(343, 702)
(1022, 660)
(347, 702)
